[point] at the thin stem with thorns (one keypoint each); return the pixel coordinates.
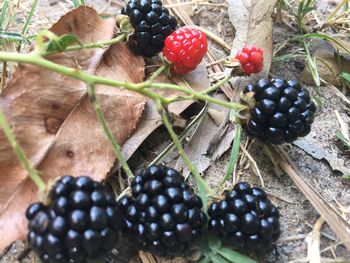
(20, 154)
(203, 188)
(117, 149)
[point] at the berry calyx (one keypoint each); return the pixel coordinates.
(252, 59)
(283, 111)
(185, 49)
(245, 219)
(152, 24)
(80, 223)
(162, 213)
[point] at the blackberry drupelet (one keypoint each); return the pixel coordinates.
(162, 212)
(81, 222)
(245, 218)
(152, 24)
(282, 113)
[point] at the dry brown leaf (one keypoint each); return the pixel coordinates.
(151, 120)
(60, 133)
(253, 22)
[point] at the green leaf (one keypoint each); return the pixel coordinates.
(204, 259)
(77, 3)
(61, 43)
(218, 259)
(346, 77)
(234, 256)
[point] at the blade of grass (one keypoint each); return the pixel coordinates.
(29, 17)
(234, 155)
(3, 13)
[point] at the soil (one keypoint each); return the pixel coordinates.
(297, 214)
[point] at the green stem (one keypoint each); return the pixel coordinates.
(234, 155)
(217, 84)
(156, 73)
(35, 59)
(196, 95)
(20, 154)
(117, 149)
(102, 44)
(203, 188)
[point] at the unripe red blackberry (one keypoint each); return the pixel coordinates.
(283, 111)
(152, 24)
(80, 223)
(245, 218)
(162, 213)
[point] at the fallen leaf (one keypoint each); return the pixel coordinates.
(36, 102)
(60, 132)
(253, 22)
(151, 120)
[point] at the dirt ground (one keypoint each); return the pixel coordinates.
(297, 214)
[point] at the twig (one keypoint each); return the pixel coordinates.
(3, 76)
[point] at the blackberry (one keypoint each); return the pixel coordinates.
(162, 213)
(245, 218)
(80, 223)
(152, 24)
(282, 113)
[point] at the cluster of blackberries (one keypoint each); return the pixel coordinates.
(283, 111)
(80, 223)
(163, 213)
(245, 218)
(152, 24)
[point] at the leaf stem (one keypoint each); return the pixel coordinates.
(20, 154)
(217, 84)
(203, 188)
(156, 73)
(117, 149)
(102, 44)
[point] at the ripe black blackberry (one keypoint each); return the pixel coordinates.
(282, 113)
(162, 212)
(81, 222)
(245, 218)
(152, 24)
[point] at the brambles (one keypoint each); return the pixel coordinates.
(283, 111)
(81, 222)
(252, 59)
(162, 213)
(152, 24)
(245, 218)
(185, 49)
